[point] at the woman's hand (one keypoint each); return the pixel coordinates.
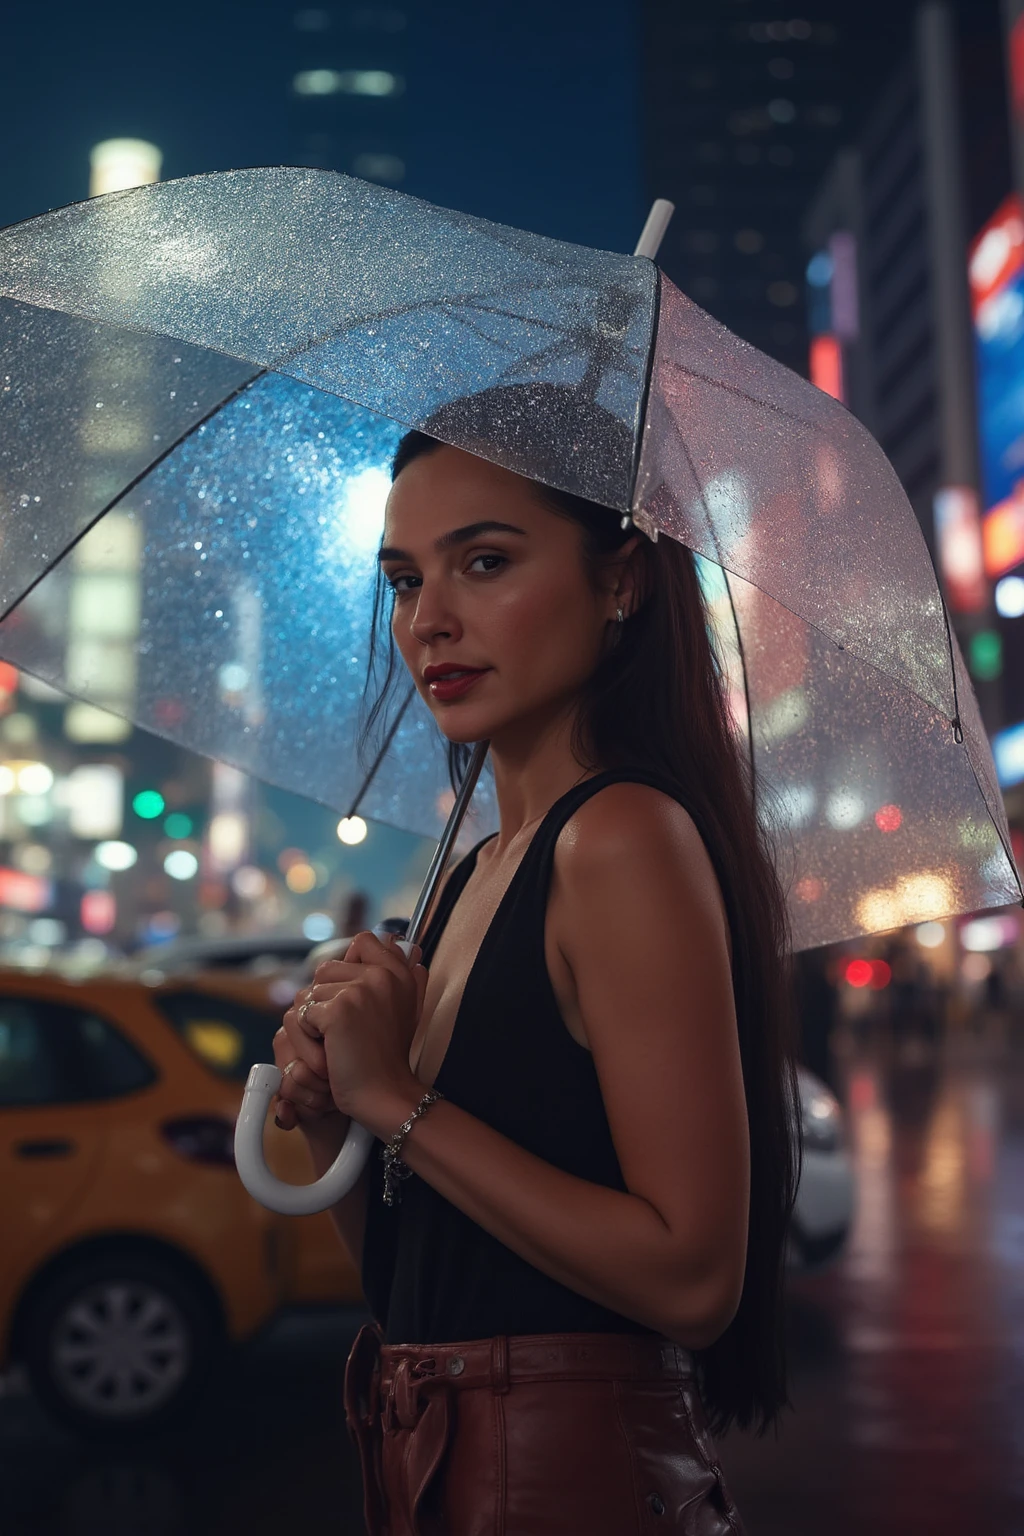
(304, 1097)
(350, 1033)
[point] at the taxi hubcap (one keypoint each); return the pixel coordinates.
(120, 1348)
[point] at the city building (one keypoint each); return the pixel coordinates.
(886, 246)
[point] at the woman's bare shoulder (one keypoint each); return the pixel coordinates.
(641, 844)
(618, 814)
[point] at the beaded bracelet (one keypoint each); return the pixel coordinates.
(394, 1168)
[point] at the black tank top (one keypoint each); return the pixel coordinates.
(430, 1275)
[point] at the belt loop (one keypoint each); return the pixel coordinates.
(499, 1363)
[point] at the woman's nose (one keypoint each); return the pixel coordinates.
(432, 618)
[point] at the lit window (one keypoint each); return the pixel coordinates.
(348, 82)
(118, 164)
(379, 167)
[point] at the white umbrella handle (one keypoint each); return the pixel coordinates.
(330, 1187)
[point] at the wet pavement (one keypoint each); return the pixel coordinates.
(908, 1354)
(907, 1364)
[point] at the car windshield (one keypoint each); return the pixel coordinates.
(226, 1035)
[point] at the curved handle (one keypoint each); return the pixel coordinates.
(295, 1199)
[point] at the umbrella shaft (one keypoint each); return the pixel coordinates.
(439, 862)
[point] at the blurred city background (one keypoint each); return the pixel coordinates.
(848, 181)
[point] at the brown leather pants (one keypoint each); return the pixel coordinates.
(533, 1435)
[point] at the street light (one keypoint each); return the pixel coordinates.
(117, 164)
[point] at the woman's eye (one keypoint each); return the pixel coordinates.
(500, 558)
(393, 582)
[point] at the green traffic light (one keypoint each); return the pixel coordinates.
(149, 804)
(985, 655)
(178, 825)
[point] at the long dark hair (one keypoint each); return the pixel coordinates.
(657, 701)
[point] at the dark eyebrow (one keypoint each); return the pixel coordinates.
(456, 536)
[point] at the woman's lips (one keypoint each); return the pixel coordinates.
(445, 688)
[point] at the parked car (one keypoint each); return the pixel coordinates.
(257, 954)
(825, 1196)
(131, 1252)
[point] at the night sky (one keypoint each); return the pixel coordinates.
(527, 113)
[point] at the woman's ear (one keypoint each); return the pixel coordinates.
(622, 576)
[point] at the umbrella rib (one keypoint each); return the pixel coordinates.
(734, 389)
(645, 395)
(957, 727)
(746, 686)
(732, 606)
(382, 753)
(126, 490)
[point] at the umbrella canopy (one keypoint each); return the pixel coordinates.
(203, 382)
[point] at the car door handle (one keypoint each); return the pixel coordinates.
(44, 1148)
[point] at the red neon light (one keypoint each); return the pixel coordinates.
(997, 252)
(961, 559)
(98, 911)
(827, 366)
(1002, 534)
(859, 973)
(24, 893)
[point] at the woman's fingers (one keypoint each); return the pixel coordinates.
(284, 1114)
(367, 949)
(293, 1043)
(300, 1085)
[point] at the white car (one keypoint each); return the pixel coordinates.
(824, 1202)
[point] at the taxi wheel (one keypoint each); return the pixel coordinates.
(120, 1344)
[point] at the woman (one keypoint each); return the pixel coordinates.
(582, 1274)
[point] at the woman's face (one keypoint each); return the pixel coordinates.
(513, 600)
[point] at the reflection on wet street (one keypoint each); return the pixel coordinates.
(908, 1355)
(908, 1363)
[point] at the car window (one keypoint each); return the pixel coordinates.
(227, 1036)
(52, 1054)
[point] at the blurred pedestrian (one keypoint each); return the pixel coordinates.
(816, 1003)
(355, 910)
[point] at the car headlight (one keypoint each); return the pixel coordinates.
(821, 1121)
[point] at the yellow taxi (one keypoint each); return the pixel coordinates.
(130, 1253)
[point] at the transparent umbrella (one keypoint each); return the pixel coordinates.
(203, 381)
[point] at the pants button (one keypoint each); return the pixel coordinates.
(456, 1365)
(656, 1504)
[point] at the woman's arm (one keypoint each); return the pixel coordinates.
(646, 938)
